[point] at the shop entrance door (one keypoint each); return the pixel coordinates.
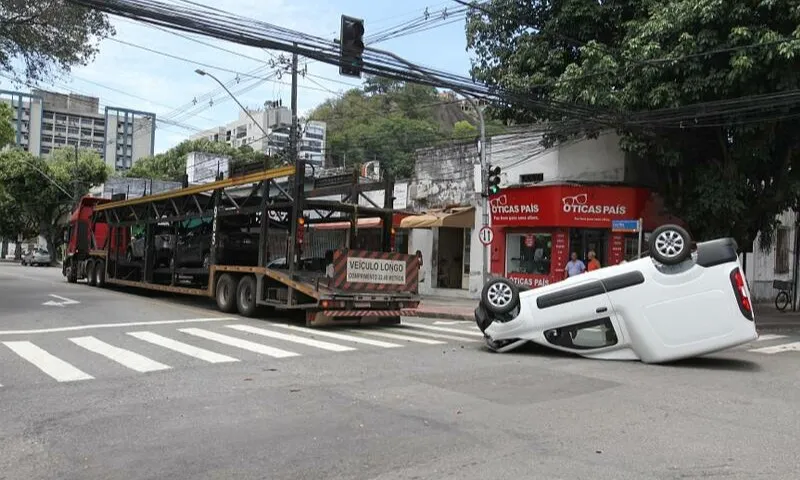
(581, 240)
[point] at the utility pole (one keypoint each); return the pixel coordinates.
(299, 183)
(484, 200)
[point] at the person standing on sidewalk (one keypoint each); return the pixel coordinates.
(574, 266)
(594, 263)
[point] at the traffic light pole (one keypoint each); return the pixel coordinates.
(484, 165)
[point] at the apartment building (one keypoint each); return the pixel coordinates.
(45, 120)
(276, 120)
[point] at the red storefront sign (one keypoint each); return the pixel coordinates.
(566, 206)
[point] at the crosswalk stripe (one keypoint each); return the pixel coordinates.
(435, 335)
(49, 364)
(333, 347)
(764, 338)
(340, 336)
(184, 348)
(239, 343)
(126, 358)
(444, 329)
(400, 337)
(785, 347)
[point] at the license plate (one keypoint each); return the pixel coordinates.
(362, 304)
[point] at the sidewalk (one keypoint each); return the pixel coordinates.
(770, 318)
(447, 308)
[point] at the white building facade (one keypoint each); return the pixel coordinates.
(276, 121)
(44, 121)
(779, 262)
(444, 178)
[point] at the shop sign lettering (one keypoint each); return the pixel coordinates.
(529, 280)
(509, 209)
(577, 204)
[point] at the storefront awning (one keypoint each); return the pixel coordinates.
(457, 217)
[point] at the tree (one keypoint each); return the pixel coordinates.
(729, 175)
(7, 132)
(465, 130)
(171, 165)
(45, 189)
(11, 221)
(46, 36)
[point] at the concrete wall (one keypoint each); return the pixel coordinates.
(760, 266)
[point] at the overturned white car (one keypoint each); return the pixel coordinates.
(677, 303)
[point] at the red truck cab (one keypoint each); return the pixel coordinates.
(88, 235)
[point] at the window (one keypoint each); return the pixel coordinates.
(528, 253)
(467, 249)
(782, 250)
(584, 336)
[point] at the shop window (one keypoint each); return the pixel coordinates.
(529, 253)
(782, 250)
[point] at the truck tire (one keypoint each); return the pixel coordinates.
(100, 273)
(246, 296)
(226, 293)
(71, 272)
(90, 278)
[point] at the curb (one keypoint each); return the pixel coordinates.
(445, 316)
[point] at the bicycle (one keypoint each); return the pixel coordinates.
(782, 299)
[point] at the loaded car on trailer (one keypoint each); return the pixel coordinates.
(677, 303)
(245, 241)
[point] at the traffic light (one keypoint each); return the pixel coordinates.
(351, 45)
(493, 183)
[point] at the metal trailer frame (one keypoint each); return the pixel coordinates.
(258, 194)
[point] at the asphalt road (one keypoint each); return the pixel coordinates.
(115, 387)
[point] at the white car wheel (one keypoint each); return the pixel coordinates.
(670, 244)
(500, 296)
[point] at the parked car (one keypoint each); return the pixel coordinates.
(677, 303)
(35, 257)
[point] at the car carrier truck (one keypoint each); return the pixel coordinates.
(248, 241)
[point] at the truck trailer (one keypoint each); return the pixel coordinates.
(244, 241)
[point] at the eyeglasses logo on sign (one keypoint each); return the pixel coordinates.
(578, 204)
(500, 206)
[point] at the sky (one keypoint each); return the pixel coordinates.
(149, 69)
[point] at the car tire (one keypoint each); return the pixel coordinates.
(670, 244)
(500, 296)
(226, 293)
(246, 296)
(90, 278)
(100, 274)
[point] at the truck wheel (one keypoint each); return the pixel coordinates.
(670, 244)
(90, 278)
(246, 296)
(226, 293)
(100, 274)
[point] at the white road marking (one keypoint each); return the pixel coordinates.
(400, 337)
(434, 335)
(785, 347)
(49, 364)
(126, 358)
(764, 338)
(64, 301)
(239, 343)
(113, 325)
(333, 347)
(340, 336)
(444, 329)
(184, 348)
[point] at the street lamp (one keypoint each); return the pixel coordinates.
(203, 73)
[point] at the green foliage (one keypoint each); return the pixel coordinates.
(44, 36)
(41, 189)
(171, 165)
(730, 178)
(386, 120)
(7, 132)
(465, 130)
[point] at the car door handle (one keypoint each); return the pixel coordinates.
(601, 309)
